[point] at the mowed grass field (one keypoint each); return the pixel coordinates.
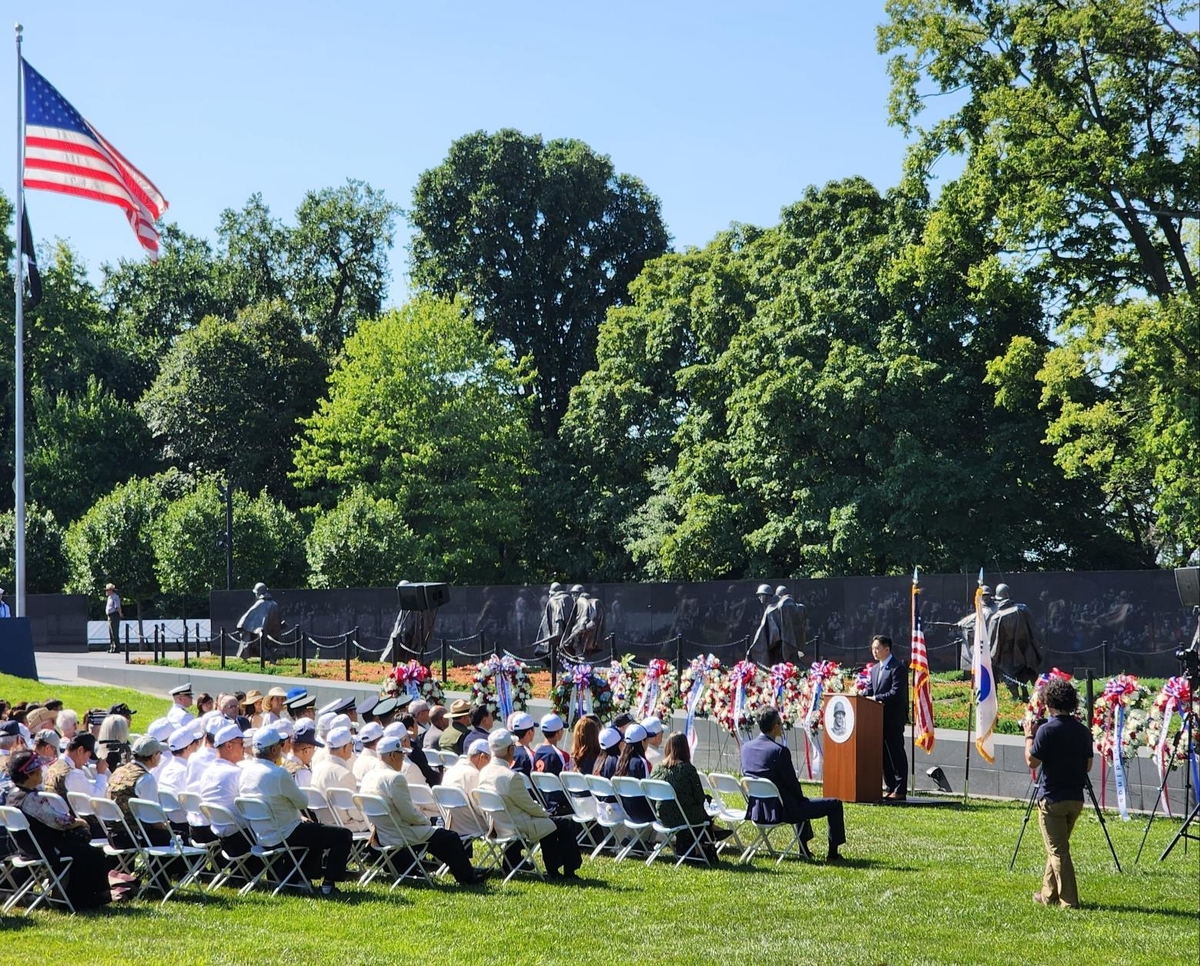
(922, 885)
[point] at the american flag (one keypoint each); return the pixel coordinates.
(64, 153)
(919, 665)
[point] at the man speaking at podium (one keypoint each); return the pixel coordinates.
(889, 686)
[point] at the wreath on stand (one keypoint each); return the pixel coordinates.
(657, 694)
(620, 680)
(415, 679)
(502, 684)
(1035, 708)
(582, 690)
(1119, 721)
(736, 698)
(785, 692)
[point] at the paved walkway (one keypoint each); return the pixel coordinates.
(58, 667)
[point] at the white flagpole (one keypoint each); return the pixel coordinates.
(19, 352)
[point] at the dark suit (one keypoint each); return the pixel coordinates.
(763, 757)
(417, 756)
(889, 686)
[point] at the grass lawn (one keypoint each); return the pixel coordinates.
(921, 886)
(80, 698)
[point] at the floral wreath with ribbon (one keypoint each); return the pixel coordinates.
(861, 683)
(620, 680)
(414, 679)
(1035, 709)
(785, 692)
(582, 690)
(1118, 725)
(657, 693)
(1168, 747)
(694, 684)
(502, 684)
(737, 697)
(824, 677)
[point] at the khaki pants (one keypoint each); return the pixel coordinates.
(1057, 820)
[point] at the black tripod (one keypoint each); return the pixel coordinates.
(1188, 720)
(1087, 783)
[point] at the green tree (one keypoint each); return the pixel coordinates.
(46, 562)
(230, 396)
(1078, 125)
(364, 541)
(810, 399)
(80, 447)
(189, 558)
(1077, 118)
(112, 541)
(541, 238)
(425, 411)
(337, 256)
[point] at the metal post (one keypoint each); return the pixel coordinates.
(155, 643)
(352, 634)
(262, 649)
(1089, 691)
(303, 645)
(612, 647)
(185, 645)
(126, 645)
(222, 644)
(1104, 657)
(679, 651)
(444, 678)
(817, 647)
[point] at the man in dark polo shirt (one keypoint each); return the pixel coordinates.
(1062, 748)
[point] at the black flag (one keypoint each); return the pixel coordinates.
(35, 280)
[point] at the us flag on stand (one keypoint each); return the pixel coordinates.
(64, 153)
(919, 665)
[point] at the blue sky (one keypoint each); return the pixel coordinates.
(726, 112)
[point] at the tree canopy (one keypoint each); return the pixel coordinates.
(540, 238)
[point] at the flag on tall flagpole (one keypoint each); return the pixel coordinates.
(32, 274)
(64, 153)
(919, 665)
(986, 707)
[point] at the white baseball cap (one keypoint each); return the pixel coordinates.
(338, 738)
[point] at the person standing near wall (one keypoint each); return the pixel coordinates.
(113, 612)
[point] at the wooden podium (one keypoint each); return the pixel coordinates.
(853, 766)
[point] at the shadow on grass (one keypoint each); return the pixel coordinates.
(11, 922)
(1138, 910)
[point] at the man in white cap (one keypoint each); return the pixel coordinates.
(560, 850)
(199, 759)
(182, 743)
(654, 739)
(522, 725)
(161, 729)
(264, 779)
(273, 706)
(369, 734)
(404, 824)
(333, 771)
(181, 697)
(464, 775)
(220, 786)
(548, 756)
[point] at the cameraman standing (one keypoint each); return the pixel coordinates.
(1062, 748)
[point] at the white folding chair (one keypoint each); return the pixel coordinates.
(318, 804)
(660, 794)
(189, 801)
(583, 805)
(492, 805)
(341, 803)
(262, 823)
(766, 790)
(610, 816)
(456, 809)
(159, 858)
(232, 866)
(44, 878)
(374, 807)
(448, 759)
(81, 806)
(725, 789)
(641, 834)
(551, 790)
(111, 819)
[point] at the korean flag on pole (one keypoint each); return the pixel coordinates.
(985, 685)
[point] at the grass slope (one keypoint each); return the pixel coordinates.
(82, 697)
(923, 886)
